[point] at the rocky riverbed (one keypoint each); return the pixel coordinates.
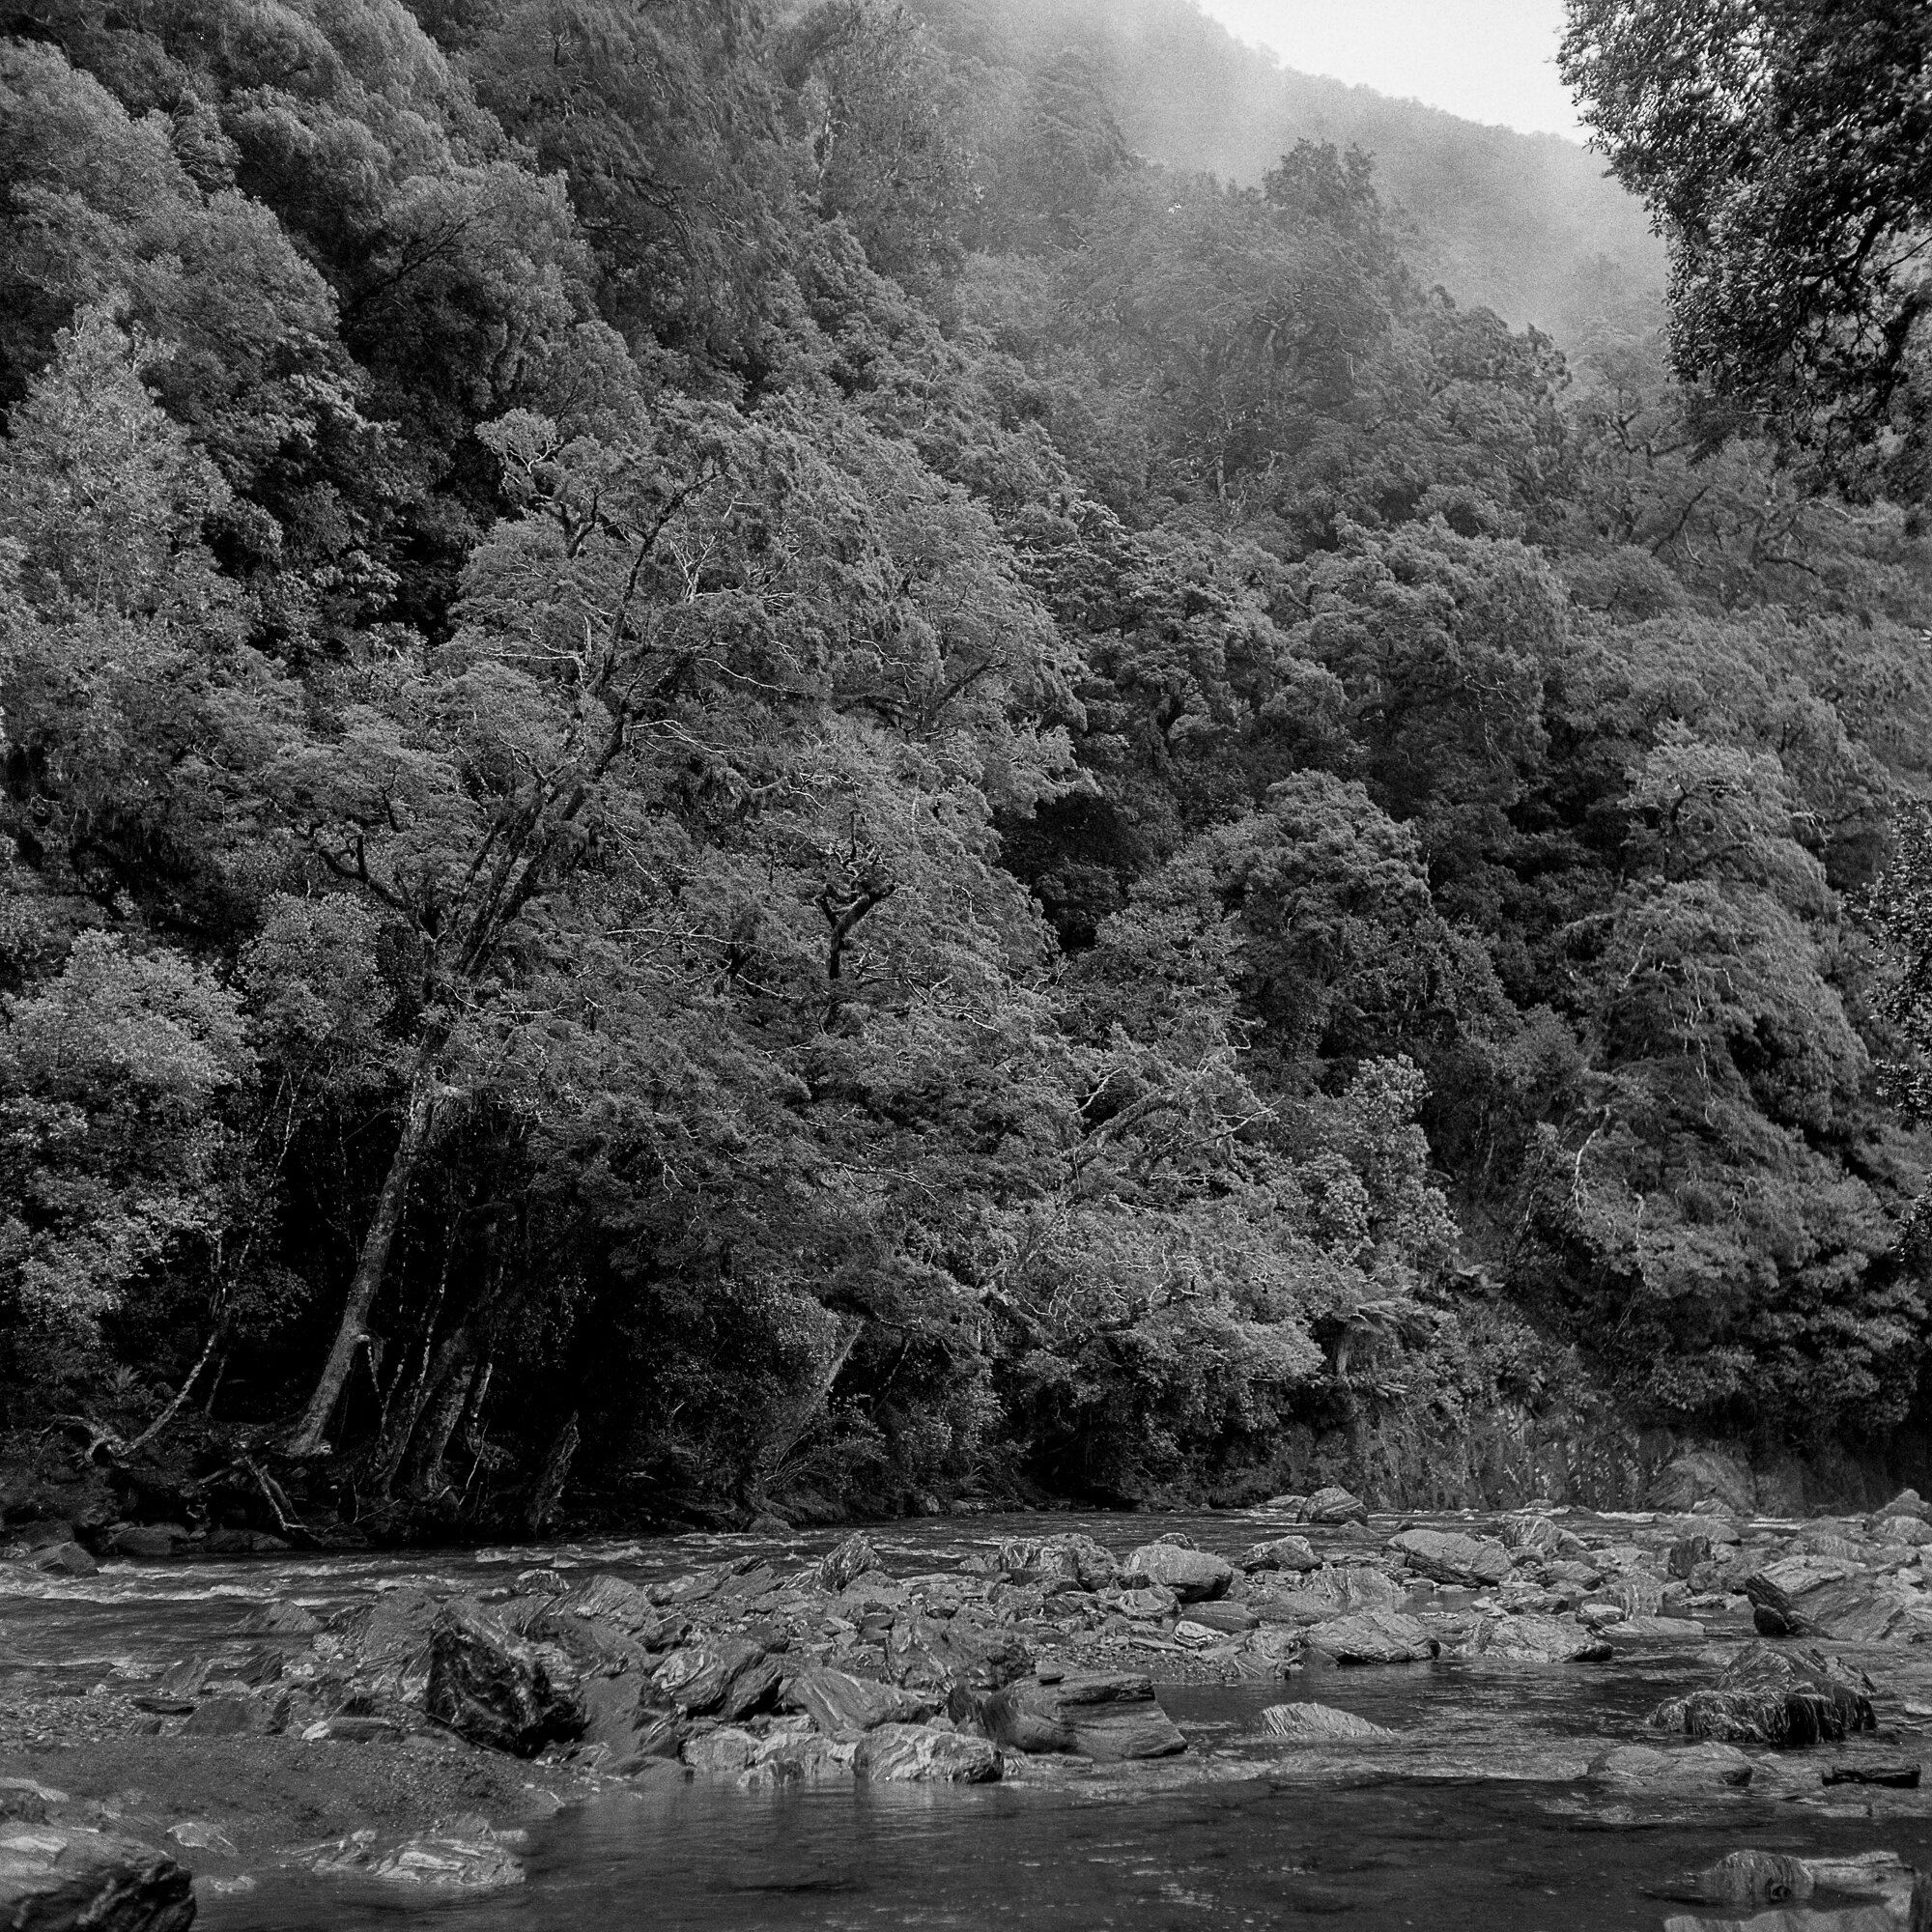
(177, 1737)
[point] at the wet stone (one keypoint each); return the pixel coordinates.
(917, 1754)
(1194, 1575)
(1374, 1636)
(1317, 1723)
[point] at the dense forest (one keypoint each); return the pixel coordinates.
(752, 763)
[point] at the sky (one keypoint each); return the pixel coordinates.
(1487, 60)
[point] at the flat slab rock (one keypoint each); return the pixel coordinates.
(1111, 1717)
(1694, 1767)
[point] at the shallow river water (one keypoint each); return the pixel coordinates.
(1478, 1817)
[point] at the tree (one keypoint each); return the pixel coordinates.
(1785, 147)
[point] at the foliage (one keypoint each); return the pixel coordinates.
(1786, 148)
(723, 740)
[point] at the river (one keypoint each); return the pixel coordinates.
(1476, 1817)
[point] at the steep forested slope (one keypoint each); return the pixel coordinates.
(740, 769)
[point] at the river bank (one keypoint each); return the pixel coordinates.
(347, 1735)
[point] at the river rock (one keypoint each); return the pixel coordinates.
(284, 1619)
(1108, 1717)
(1634, 1593)
(1193, 1575)
(1332, 1505)
(23, 1801)
(1334, 1590)
(1902, 1533)
(1529, 1638)
(1150, 1602)
(1773, 1697)
(1372, 1636)
(845, 1706)
(1847, 1918)
(617, 1602)
(1907, 1502)
(1071, 1559)
(466, 1857)
(1685, 1556)
(1810, 1596)
(1281, 1552)
(1447, 1557)
(1693, 1767)
(917, 1754)
(703, 1679)
(1225, 1619)
(1535, 1533)
(239, 1715)
(494, 1690)
(61, 1879)
(852, 1558)
(953, 1657)
(1317, 1723)
(795, 1760)
(64, 1559)
(724, 1752)
(1774, 1878)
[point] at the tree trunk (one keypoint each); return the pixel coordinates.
(309, 1436)
(444, 1412)
(555, 1473)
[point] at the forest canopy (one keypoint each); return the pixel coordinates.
(744, 770)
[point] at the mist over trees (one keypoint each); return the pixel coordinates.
(748, 760)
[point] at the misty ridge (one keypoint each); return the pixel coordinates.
(1529, 225)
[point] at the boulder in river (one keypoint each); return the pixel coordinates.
(1529, 1638)
(1281, 1552)
(918, 1753)
(1372, 1636)
(1776, 1878)
(55, 1878)
(1109, 1717)
(1332, 1504)
(1446, 1557)
(1772, 1697)
(491, 1688)
(1813, 1596)
(466, 1857)
(1193, 1575)
(1319, 1723)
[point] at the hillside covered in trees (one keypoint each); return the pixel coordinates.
(748, 766)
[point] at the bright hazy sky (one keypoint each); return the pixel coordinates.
(1487, 60)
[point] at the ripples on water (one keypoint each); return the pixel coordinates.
(1395, 1836)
